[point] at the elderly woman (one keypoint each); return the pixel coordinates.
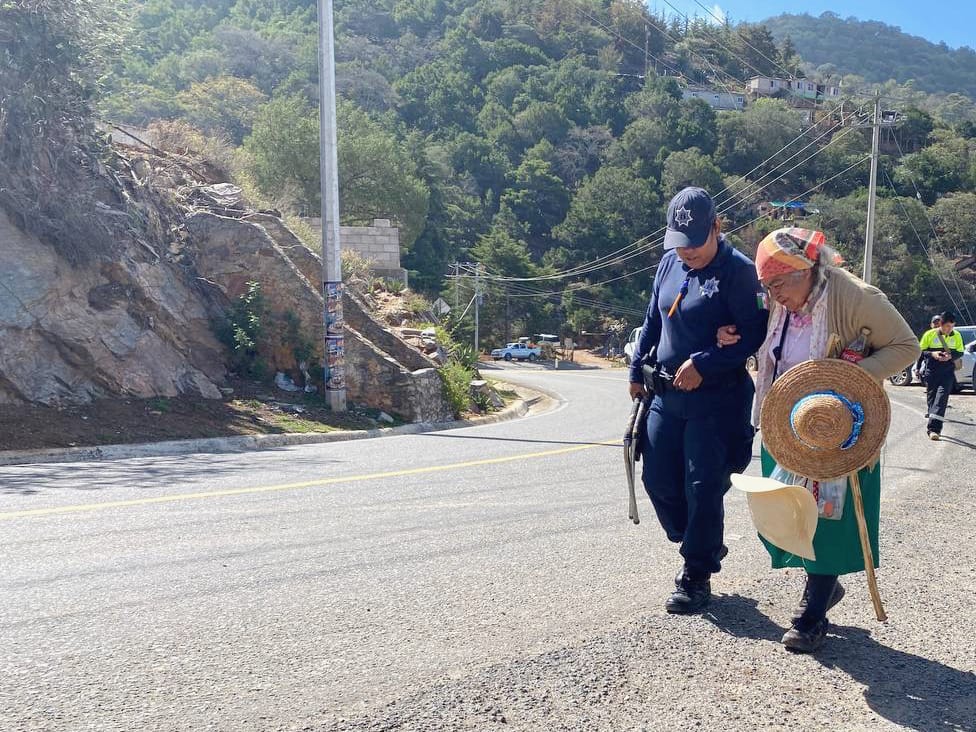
(812, 301)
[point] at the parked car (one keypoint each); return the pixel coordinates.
(631, 345)
(517, 351)
(966, 377)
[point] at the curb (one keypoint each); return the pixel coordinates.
(247, 443)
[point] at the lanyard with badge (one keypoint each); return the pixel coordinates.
(681, 295)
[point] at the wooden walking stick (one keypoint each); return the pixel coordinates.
(862, 530)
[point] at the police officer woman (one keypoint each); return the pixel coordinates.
(698, 426)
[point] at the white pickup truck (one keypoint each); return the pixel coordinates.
(517, 351)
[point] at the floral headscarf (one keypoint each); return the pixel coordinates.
(789, 250)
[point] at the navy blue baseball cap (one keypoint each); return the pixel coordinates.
(691, 215)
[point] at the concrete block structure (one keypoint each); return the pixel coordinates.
(379, 243)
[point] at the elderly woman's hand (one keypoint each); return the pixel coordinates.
(727, 336)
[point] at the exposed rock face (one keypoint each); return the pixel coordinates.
(135, 324)
(69, 334)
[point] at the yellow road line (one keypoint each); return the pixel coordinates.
(293, 486)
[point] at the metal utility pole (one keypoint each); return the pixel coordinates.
(335, 351)
(872, 188)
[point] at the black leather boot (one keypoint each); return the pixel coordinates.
(806, 637)
(691, 595)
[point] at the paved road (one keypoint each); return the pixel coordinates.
(461, 580)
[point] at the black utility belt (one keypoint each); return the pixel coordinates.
(660, 380)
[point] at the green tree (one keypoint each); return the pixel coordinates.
(224, 104)
(937, 169)
(376, 177)
(502, 316)
(690, 168)
(541, 121)
(538, 199)
(748, 138)
(283, 149)
(438, 96)
(954, 218)
(612, 209)
(643, 146)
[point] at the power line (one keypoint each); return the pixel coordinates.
(722, 20)
(615, 257)
(641, 247)
(942, 249)
(742, 194)
(735, 55)
(708, 63)
(730, 204)
(621, 37)
(928, 254)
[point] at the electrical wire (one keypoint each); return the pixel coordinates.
(942, 249)
(722, 20)
(807, 192)
(649, 247)
(956, 305)
(615, 257)
(640, 246)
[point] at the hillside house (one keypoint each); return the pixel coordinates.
(719, 100)
(772, 86)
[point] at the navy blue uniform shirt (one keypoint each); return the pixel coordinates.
(725, 292)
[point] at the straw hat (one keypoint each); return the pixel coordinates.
(825, 419)
(785, 515)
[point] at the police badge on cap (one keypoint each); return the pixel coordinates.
(691, 215)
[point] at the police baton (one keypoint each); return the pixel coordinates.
(629, 458)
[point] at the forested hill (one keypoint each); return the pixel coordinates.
(543, 139)
(878, 52)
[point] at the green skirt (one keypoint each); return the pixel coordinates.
(836, 544)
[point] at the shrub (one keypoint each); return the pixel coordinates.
(483, 401)
(357, 271)
(242, 331)
(417, 305)
(301, 345)
(457, 385)
(183, 139)
(393, 286)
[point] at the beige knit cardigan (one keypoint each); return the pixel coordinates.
(851, 305)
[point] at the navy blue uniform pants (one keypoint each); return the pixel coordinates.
(694, 442)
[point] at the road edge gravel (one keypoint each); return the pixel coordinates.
(529, 400)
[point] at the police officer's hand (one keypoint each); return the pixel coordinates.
(687, 378)
(637, 391)
(727, 336)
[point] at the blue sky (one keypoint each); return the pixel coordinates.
(952, 21)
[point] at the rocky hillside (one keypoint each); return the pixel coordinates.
(134, 319)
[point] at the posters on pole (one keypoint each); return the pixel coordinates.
(335, 350)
